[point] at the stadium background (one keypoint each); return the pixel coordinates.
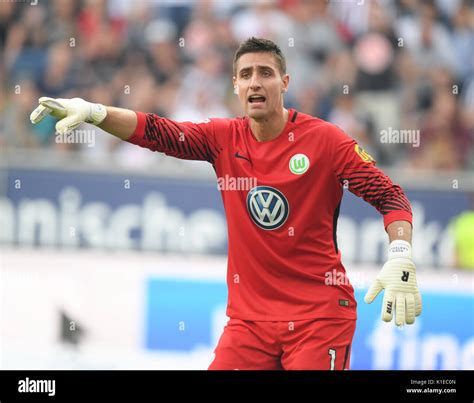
(114, 257)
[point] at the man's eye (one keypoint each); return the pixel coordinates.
(267, 73)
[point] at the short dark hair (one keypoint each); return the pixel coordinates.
(254, 45)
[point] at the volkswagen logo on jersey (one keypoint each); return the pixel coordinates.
(267, 207)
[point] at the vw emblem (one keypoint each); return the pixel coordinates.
(267, 207)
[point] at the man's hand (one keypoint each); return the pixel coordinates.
(398, 278)
(71, 112)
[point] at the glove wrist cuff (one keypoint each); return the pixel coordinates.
(97, 114)
(399, 248)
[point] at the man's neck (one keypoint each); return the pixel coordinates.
(270, 127)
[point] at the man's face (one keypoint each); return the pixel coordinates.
(260, 84)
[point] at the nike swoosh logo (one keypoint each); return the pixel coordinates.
(237, 155)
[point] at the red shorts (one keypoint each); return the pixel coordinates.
(315, 344)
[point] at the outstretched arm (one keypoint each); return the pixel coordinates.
(186, 140)
(119, 122)
(73, 112)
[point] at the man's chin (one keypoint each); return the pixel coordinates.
(256, 114)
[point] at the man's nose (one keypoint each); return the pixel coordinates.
(254, 82)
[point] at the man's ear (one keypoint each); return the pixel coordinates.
(286, 82)
(234, 84)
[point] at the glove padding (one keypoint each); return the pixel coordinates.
(398, 278)
(71, 112)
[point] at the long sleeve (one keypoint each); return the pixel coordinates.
(355, 169)
(185, 140)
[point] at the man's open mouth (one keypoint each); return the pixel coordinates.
(254, 99)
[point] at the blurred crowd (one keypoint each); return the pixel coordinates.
(370, 66)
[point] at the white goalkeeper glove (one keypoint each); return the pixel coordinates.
(398, 278)
(71, 112)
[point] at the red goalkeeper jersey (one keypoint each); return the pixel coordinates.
(282, 200)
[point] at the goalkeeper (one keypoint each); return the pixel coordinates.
(282, 232)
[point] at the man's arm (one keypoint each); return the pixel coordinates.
(356, 170)
(399, 230)
(185, 140)
(73, 112)
(119, 122)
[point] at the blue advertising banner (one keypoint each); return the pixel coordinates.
(103, 211)
(180, 316)
(113, 211)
